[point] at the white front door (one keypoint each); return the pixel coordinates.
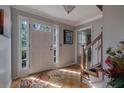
(38, 46)
(41, 46)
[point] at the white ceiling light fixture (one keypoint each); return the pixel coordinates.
(69, 8)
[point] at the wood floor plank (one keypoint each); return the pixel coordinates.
(72, 78)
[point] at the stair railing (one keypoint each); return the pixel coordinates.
(84, 57)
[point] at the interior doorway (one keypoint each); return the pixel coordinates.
(83, 38)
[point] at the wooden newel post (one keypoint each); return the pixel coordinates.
(82, 63)
(82, 56)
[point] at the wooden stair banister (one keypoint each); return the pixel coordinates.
(94, 41)
(84, 71)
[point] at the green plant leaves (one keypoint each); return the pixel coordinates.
(119, 83)
(117, 69)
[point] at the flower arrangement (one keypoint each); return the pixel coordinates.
(115, 71)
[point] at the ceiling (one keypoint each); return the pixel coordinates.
(81, 14)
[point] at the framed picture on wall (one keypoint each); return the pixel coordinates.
(68, 37)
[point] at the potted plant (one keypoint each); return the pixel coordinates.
(115, 70)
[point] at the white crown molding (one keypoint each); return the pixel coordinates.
(29, 10)
(90, 20)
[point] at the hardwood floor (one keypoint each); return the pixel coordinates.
(72, 78)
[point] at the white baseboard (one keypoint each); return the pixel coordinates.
(66, 65)
(9, 84)
(40, 69)
(47, 68)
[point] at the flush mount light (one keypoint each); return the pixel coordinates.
(69, 8)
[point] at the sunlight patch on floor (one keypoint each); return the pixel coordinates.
(46, 82)
(69, 71)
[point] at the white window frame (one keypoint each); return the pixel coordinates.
(20, 18)
(56, 45)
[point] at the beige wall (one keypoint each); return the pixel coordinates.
(113, 26)
(67, 52)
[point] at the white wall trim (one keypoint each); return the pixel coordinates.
(28, 9)
(90, 20)
(84, 28)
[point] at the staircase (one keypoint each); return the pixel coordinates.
(93, 71)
